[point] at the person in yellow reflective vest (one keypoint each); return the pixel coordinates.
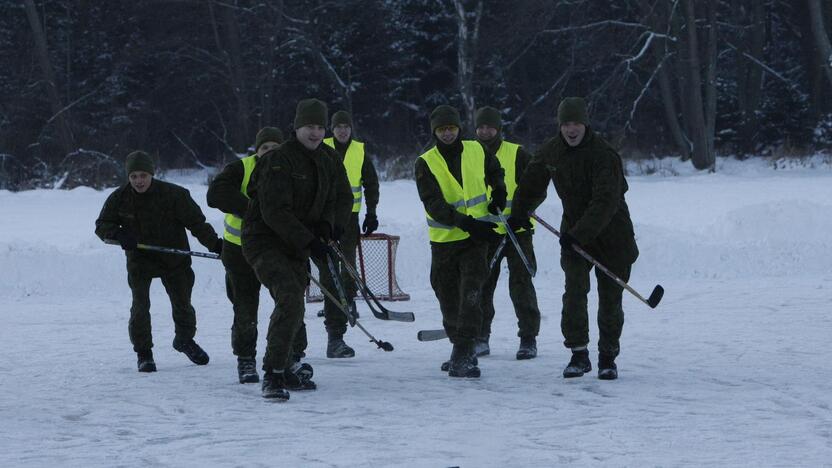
(227, 193)
(514, 159)
(453, 180)
(361, 174)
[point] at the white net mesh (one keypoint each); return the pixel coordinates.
(375, 261)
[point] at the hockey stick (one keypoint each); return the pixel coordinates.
(655, 296)
(431, 335)
(496, 257)
(169, 250)
(336, 278)
(385, 345)
(532, 271)
(385, 313)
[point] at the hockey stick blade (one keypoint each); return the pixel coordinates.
(431, 335)
(655, 296)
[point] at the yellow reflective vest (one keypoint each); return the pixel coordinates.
(507, 155)
(234, 224)
(470, 198)
(353, 162)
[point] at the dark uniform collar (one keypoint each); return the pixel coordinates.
(493, 144)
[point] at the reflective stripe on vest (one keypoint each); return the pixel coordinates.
(507, 155)
(353, 161)
(469, 198)
(234, 224)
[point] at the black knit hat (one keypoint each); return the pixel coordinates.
(341, 117)
(488, 116)
(268, 134)
(442, 116)
(139, 161)
(572, 109)
(311, 112)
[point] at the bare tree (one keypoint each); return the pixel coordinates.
(467, 40)
(58, 110)
(823, 47)
(702, 109)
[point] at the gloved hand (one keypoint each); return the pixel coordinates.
(518, 222)
(498, 201)
(217, 248)
(337, 233)
(567, 241)
(323, 230)
(126, 239)
(370, 223)
(480, 230)
(318, 249)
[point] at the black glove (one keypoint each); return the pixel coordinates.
(217, 248)
(370, 223)
(567, 241)
(517, 222)
(318, 249)
(323, 230)
(498, 201)
(337, 233)
(480, 230)
(126, 239)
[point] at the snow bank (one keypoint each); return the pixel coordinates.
(713, 226)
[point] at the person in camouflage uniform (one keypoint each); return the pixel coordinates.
(152, 212)
(514, 159)
(298, 193)
(228, 193)
(453, 179)
(352, 154)
(589, 179)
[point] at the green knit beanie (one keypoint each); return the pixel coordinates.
(311, 112)
(341, 117)
(268, 134)
(139, 161)
(488, 116)
(572, 109)
(443, 116)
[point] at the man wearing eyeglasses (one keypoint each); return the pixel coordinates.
(452, 179)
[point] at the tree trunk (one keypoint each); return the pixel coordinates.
(242, 136)
(749, 76)
(654, 20)
(64, 134)
(698, 128)
(467, 39)
(823, 47)
(710, 84)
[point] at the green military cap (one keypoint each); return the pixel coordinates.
(139, 161)
(572, 109)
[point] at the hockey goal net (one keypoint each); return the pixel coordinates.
(375, 261)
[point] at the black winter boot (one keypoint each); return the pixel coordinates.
(607, 370)
(578, 365)
(528, 348)
(298, 376)
(274, 386)
(192, 350)
(247, 370)
(145, 362)
(336, 348)
(462, 362)
(447, 364)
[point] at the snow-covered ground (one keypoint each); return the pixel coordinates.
(732, 369)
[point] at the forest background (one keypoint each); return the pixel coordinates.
(85, 82)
